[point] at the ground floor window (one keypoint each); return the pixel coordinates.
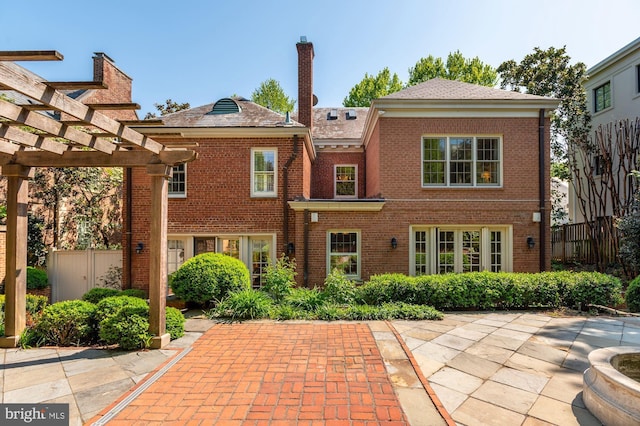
(343, 252)
(175, 255)
(255, 251)
(441, 250)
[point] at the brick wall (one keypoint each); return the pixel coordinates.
(323, 172)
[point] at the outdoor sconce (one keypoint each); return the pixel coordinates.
(530, 242)
(394, 242)
(291, 248)
(139, 247)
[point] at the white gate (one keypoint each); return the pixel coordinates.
(74, 272)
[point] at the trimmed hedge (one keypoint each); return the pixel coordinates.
(490, 290)
(632, 296)
(36, 278)
(210, 277)
(68, 323)
(96, 294)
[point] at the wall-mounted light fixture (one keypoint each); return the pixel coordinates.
(291, 248)
(531, 242)
(394, 242)
(139, 247)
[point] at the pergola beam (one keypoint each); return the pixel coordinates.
(30, 55)
(120, 106)
(77, 158)
(16, 78)
(76, 85)
(48, 125)
(31, 139)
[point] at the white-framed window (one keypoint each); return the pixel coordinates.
(345, 181)
(447, 249)
(343, 252)
(461, 161)
(178, 182)
(602, 97)
(175, 254)
(264, 176)
(255, 251)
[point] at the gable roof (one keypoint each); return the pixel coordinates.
(449, 90)
(250, 115)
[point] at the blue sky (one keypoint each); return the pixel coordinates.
(199, 51)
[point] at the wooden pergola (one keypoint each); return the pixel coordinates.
(86, 138)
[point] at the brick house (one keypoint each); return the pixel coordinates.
(440, 177)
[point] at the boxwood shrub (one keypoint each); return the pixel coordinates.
(36, 278)
(489, 290)
(96, 294)
(68, 323)
(110, 306)
(209, 277)
(128, 327)
(632, 296)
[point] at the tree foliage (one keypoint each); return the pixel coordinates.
(271, 95)
(549, 73)
(168, 107)
(372, 87)
(457, 67)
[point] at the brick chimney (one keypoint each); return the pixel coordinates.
(305, 82)
(118, 83)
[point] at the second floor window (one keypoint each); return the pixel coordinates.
(461, 161)
(263, 172)
(345, 181)
(602, 97)
(178, 182)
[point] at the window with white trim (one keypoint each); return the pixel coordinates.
(442, 250)
(175, 255)
(461, 161)
(264, 179)
(178, 182)
(602, 97)
(343, 252)
(346, 181)
(255, 251)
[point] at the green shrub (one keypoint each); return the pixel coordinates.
(304, 298)
(129, 328)
(387, 288)
(339, 289)
(110, 306)
(330, 312)
(594, 288)
(243, 305)
(174, 322)
(209, 277)
(67, 323)
(279, 279)
(288, 312)
(36, 279)
(96, 294)
(632, 296)
(1, 314)
(134, 292)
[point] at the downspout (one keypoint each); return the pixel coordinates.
(127, 247)
(306, 249)
(285, 194)
(541, 185)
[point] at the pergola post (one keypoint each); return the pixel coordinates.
(160, 174)
(16, 253)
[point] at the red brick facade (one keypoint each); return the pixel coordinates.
(392, 202)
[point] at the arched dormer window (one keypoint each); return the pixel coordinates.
(225, 106)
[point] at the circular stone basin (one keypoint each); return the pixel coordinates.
(610, 395)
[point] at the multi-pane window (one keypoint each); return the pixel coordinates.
(447, 250)
(345, 181)
(344, 253)
(263, 172)
(602, 97)
(229, 247)
(178, 181)
(175, 255)
(461, 161)
(260, 259)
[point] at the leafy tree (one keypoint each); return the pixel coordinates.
(457, 67)
(168, 107)
(371, 88)
(549, 73)
(270, 95)
(36, 250)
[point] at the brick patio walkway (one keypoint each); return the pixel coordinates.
(273, 374)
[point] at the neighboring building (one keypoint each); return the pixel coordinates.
(441, 177)
(613, 93)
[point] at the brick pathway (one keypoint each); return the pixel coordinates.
(273, 374)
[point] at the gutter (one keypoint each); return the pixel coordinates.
(127, 245)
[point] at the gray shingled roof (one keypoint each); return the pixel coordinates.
(250, 115)
(441, 89)
(327, 127)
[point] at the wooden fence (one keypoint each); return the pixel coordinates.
(573, 243)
